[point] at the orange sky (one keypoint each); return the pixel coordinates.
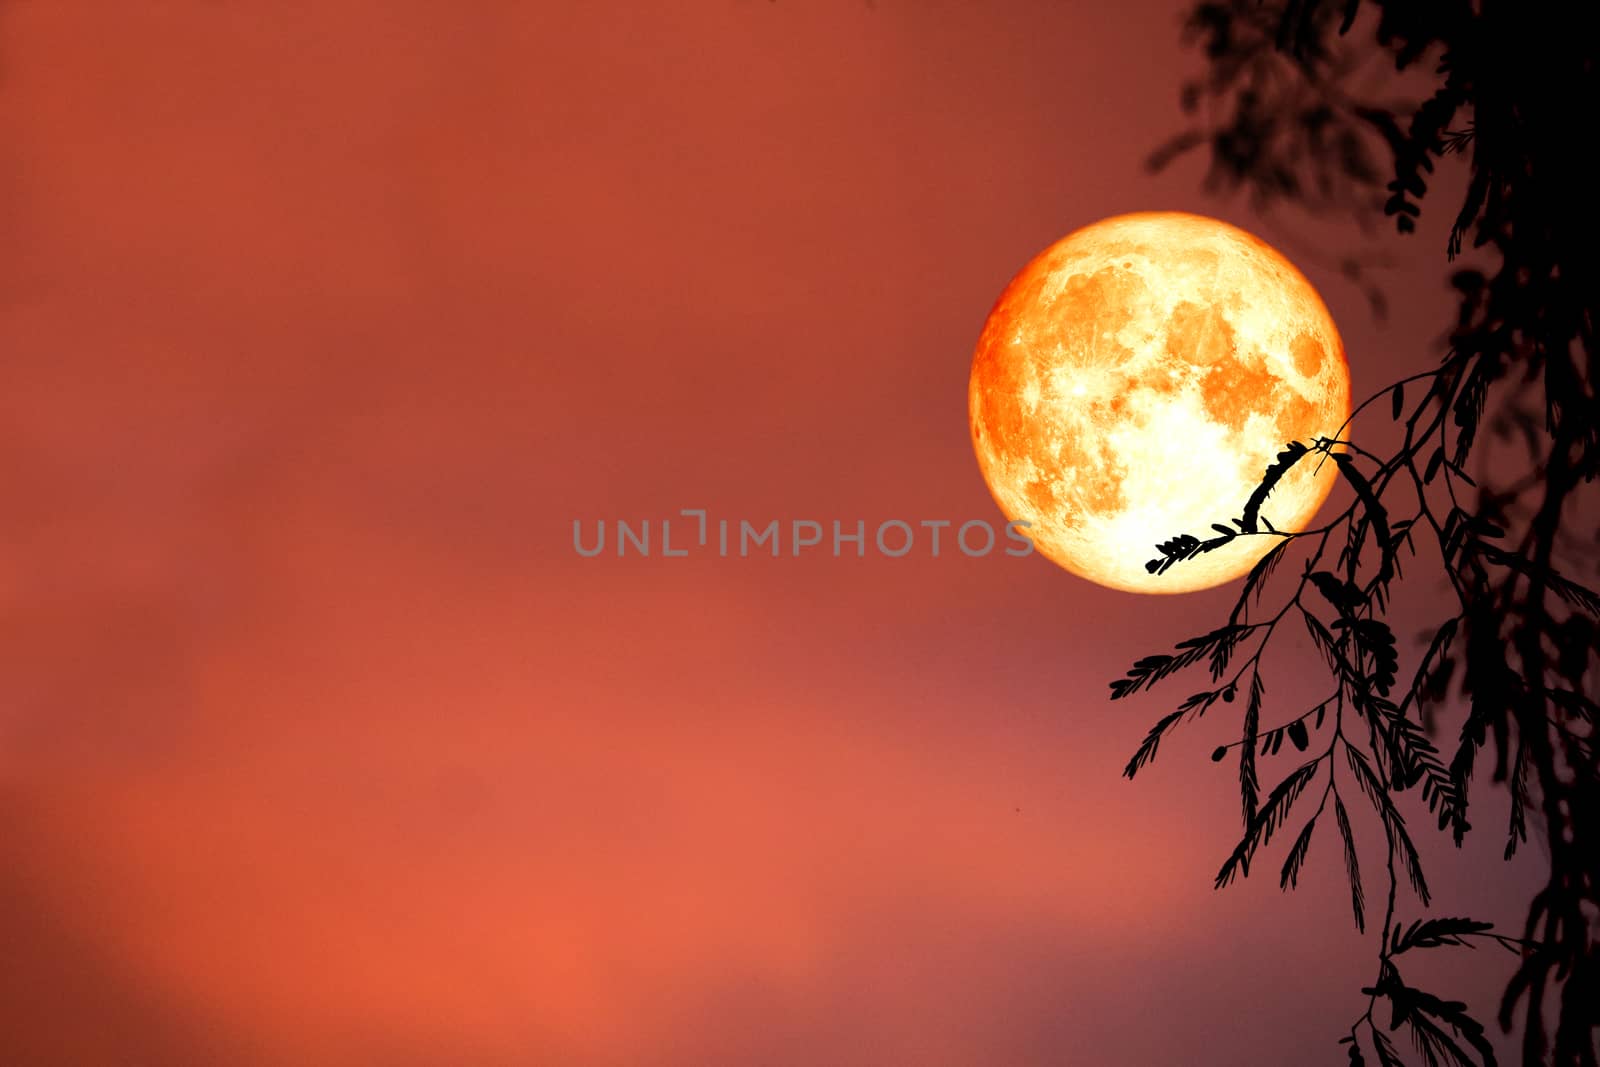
(319, 744)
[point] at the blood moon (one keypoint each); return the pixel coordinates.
(1133, 382)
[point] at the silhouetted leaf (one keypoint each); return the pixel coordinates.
(1259, 574)
(1147, 750)
(1248, 784)
(1325, 644)
(1494, 688)
(1414, 755)
(1220, 651)
(1517, 828)
(1436, 649)
(1267, 820)
(1151, 669)
(1348, 19)
(1434, 462)
(1574, 593)
(1298, 735)
(1376, 515)
(1434, 933)
(1375, 639)
(1470, 207)
(1296, 859)
(1436, 1025)
(1482, 527)
(1579, 596)
(1575, 704)
(1459, 473)
(1388, 1056)
(1274, 473)
(1173, 148)
(1343, 595)
(1469, 409)
(1185, 546)
(1394, 825)
(1352, 865)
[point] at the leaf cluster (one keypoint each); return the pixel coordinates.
(1285, 113)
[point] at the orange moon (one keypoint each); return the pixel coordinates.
(1133, 382)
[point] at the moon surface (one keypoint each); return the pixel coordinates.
(1134, 381)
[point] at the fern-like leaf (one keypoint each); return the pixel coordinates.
(1147, 750)
(1250, 520)
(1267, 820)
(1248, 783)
(1352, 865)
(1290, 878)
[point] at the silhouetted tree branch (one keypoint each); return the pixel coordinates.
(1515, 94)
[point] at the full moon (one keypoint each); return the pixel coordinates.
(1134, 381)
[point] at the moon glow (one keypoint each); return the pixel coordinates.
(1134, 381)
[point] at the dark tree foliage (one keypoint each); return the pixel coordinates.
(1513, 93)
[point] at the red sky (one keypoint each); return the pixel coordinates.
(319, 744)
